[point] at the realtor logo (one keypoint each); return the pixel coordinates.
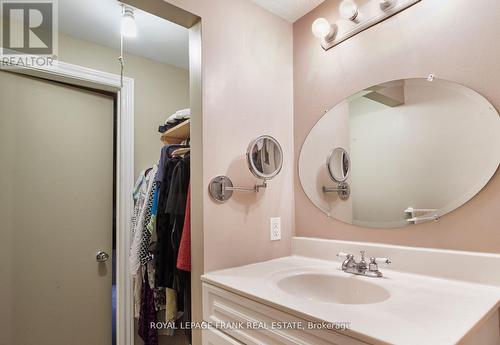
(29, 31)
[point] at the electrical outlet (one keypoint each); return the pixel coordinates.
(275, 229)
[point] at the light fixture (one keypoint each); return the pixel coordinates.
(387, 4)
(322, 28)
(351, 19)
(348, 10)
(129, 27)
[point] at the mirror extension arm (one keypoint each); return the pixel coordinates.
(255, 189)
(343, 190)
(221, 188)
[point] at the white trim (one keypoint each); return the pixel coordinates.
(82, 76)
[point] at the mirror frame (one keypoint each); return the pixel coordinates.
(331, 156)
(251, 166)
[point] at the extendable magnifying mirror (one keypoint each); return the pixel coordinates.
(265, 160)
(338, 165)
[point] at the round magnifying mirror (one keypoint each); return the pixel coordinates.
(265, 157)
(338, 164)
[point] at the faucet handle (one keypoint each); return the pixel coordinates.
(344, 255)
(384, 261)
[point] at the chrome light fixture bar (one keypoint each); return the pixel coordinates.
(363, 18)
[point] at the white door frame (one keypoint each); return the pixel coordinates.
(86, 77)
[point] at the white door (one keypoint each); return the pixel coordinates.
(56, 212)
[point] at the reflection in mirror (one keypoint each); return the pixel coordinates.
(265, 157)
(338, 164)
(416, 149)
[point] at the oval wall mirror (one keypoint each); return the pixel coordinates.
(338, 164)
(415, 149)
(265, 157)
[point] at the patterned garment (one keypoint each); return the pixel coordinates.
(160, 299)
(136, 252)
(154, 209)
(139, 196)
(147, 314)
(144, 255)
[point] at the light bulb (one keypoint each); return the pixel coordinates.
(348, 9)
(129, 27)
(322, 28)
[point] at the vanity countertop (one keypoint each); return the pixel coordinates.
(421, 309)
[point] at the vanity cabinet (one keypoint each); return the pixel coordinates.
(224, 307)
(215, 337)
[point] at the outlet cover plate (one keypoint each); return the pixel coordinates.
(275, 229)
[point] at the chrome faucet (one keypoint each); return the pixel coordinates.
(363, 268)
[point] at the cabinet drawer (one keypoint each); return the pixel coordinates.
(222, 306)
(215, 337)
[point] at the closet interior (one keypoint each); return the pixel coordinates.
(160, 256)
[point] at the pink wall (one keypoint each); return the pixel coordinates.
(247, 92)
(454, 39)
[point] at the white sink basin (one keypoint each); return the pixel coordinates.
(333, 289)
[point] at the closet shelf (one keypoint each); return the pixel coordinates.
(177, 134)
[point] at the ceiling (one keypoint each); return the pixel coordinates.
(99, 21)
(290, 10)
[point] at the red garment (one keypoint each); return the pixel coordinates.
(184, 256)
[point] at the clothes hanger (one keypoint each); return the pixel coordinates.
(181, 151)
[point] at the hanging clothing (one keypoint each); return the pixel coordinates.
(137, 251)
(150, 237)
(164, 156)
(185, 279)
(184, 264)
(184, 257)
(163, 225)
(148, 314)
(176, 208)
(137, 287)
(160, 257)
(139, 195)
(144, 254)
(171, 305)
(142, 195)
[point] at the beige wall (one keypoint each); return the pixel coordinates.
(160, 90)
(247, 91)
(442, 37)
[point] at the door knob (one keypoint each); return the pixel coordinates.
(102, 256)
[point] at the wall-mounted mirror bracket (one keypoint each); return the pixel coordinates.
(221, 188)
(343, 190)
